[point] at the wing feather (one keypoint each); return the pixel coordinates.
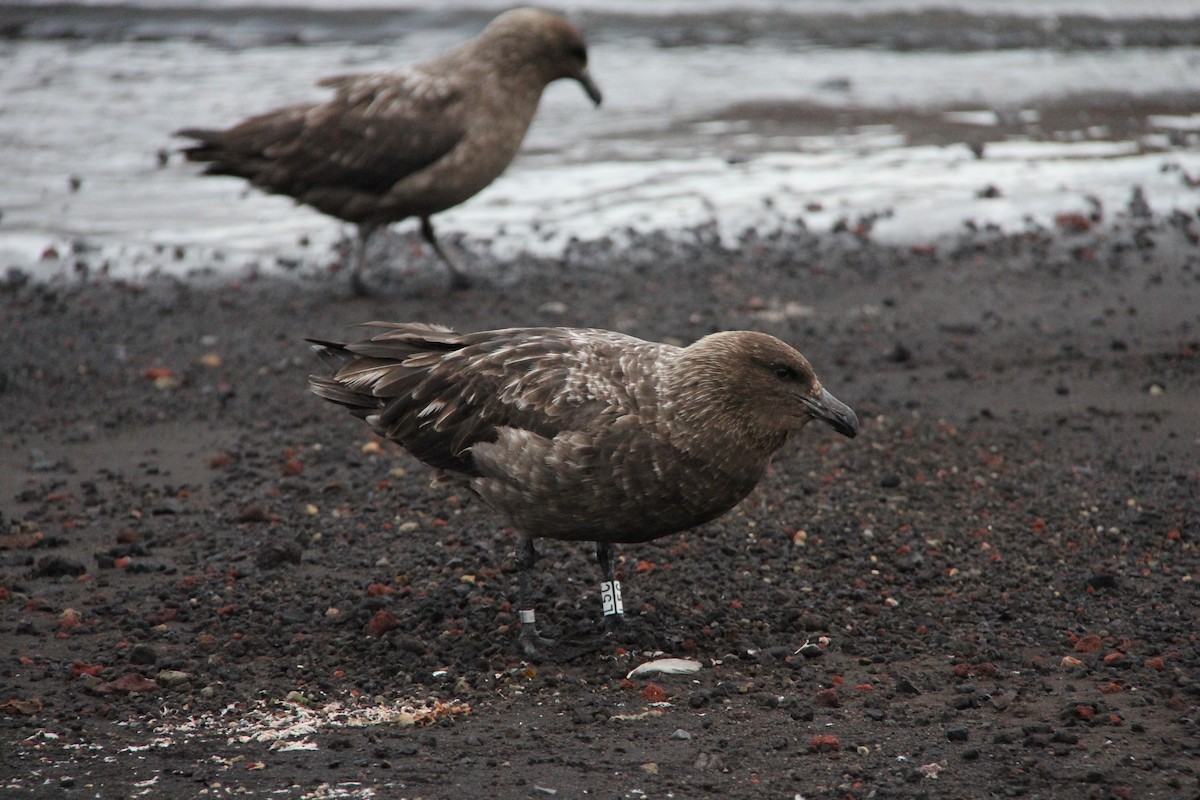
(438, 393)
(377, 130)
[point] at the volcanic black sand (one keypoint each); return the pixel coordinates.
(998, 577)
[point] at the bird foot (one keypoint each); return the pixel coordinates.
(612, 624)
(532, 643)
(529, 637)
(460, 282)
(359, 287)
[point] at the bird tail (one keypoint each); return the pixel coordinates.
(333, 387)
(363, 373)
(208, 148)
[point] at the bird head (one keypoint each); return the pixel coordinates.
(758, 387)
(545, 41)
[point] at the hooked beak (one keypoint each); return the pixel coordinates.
(589, 86)
(833, 412)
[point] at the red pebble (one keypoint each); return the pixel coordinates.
(382, 622)
(828, 743)
(653, 693)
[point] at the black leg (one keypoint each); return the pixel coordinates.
(610, 589)
(457, 279)
(357, 284)
(529, 638)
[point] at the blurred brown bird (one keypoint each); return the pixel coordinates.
(407, 143)
(584, 434)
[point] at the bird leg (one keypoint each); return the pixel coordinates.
(365, 231)
(457, 279)
(529, 637)
(610, 589)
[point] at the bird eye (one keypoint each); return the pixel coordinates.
(579, 53)
(785, 373)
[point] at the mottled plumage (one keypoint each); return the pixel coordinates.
(585, 434)
(408, 143)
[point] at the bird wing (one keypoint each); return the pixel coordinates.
(438, 393)
(377, 130)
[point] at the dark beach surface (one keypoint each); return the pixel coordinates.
(213, 583)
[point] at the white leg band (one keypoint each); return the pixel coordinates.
(610, 595)
(527, 616)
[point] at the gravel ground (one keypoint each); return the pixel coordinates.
(213, 583)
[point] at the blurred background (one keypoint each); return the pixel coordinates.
(899, 119)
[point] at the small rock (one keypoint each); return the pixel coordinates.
(959, 734)
(173, 677)
(129, 683)
(275, 554)
(252, 514)
(554, 308)
(142, 654)
(382, 622)
(824, 743)
(802, 714)
(680, 733)
(168, 505)
(57, 567)
(899, 354)
(810, 650)
(1139, 207)
(1000, 700)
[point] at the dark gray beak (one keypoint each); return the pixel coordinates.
(833, 412)
(589, 86)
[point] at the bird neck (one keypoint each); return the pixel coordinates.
(710, 420)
